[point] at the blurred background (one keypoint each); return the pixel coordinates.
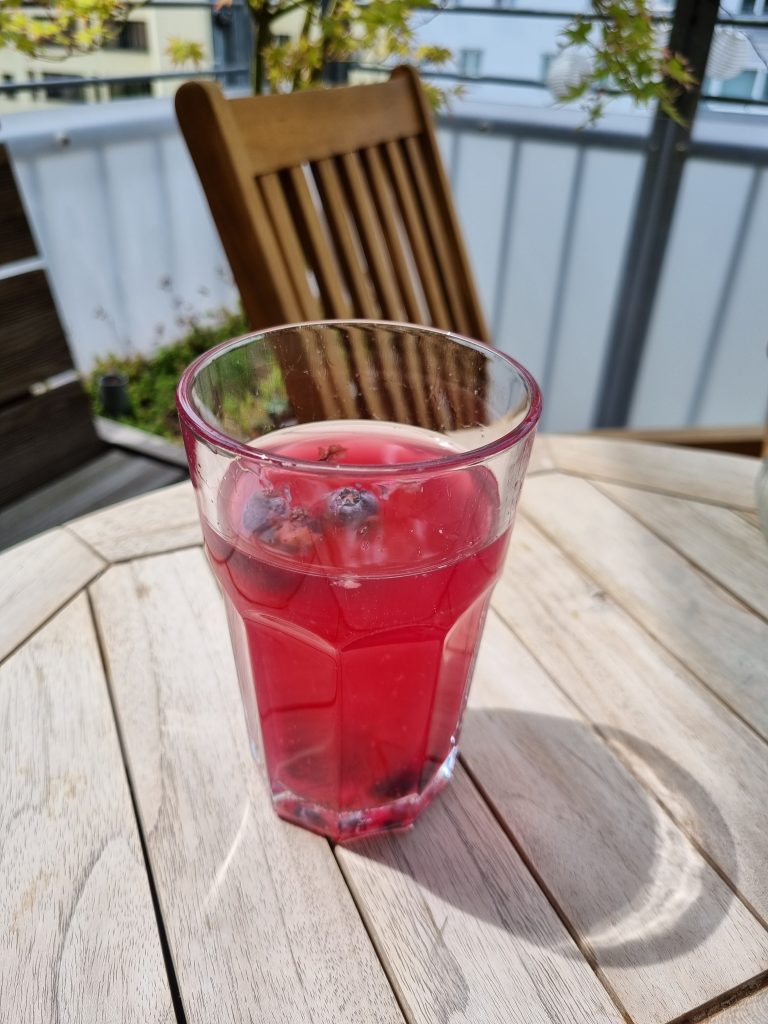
(627, 276)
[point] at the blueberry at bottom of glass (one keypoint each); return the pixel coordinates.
(343, 826)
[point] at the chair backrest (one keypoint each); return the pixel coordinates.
(333, 204)
(43, 432)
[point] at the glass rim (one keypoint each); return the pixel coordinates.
(228, 445)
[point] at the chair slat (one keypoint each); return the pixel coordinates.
(334, 304)
(439, 189)
(371, 231)
(393, 234)
(43, 437)
(16, 241)
(372, 240)
(339, 217)
(317, 246)
(449, 262)
(371, 237)
(413, 219)
(405, 274)
(437, 234)
(364, 301)
(321, 371)
(290, 246)
(438, 315)
(32, 342)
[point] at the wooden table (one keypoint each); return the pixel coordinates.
(602, 855)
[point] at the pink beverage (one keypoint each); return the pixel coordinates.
(356, 604)
(356, 548)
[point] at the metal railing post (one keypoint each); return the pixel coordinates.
(668, 146)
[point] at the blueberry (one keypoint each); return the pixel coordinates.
(295, 532)
(352, 505)
(262, 511)
(395, 786)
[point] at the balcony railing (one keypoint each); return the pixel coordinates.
(133, 254)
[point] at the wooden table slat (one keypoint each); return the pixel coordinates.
(690, 473)
(465, 931)
(260, 923)
(37, 578)
(78, 934)
(714, 635)
(704, 764)
(161, 521)
(752, 1010)
(751, 517)
(717, 539)
(541, 457)
(670, 936)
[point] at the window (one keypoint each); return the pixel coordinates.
(131, 35)
(470, 62)
(747, 6)
(739, 87)
(129, 90)
(7, 79)
(68, 93)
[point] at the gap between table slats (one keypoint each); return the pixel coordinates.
(659, 924)
(78, 936)
(463, 928)
(653, 712)
(39, 577)
(751, 1010)
(716, 540)
(718, 638)
(257, 914)
(688, 473)
(176, 698)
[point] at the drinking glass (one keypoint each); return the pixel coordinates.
(356, 483)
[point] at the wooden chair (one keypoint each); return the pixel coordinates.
(335, 204)
(53, 463)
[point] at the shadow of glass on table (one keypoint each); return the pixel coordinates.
(629, 883)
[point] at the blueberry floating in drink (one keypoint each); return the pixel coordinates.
(352, 505)
(262, 511)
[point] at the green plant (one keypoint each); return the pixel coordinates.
(152, 379)
(77, 26)
(337, 32)
(629, 58)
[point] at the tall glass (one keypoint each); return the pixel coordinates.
(357, 484)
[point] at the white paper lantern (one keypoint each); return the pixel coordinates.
(568, 68)
(729, 54)
(661, 33)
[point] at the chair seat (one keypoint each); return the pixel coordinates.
(104, 480)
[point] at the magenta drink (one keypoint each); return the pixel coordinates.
(357, 559)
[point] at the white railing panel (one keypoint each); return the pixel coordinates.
(704, 230)
(120, 216)
(603, 221)
(735, 382)
(525, 303)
